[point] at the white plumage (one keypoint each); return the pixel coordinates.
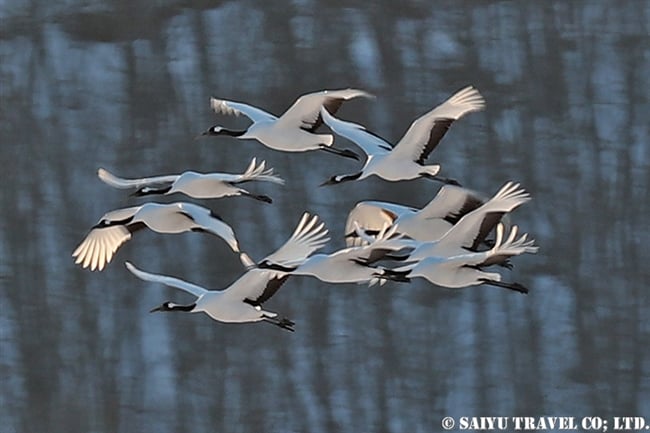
(197, 185)
(348, 265)
(310, 235)
(465, 269)
(406, 159)
(242, 300)
(370, 217)
(442, 238)
(294, 130)
(426, 224)
(472, 229)
(116, 227)
(238, 303)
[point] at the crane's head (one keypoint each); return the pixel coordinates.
(339, 178)
(170, 306)
(332, 180)
(213, 130)
(220, 130)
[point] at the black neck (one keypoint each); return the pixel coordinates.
(148, 190)
(230, 132)
(108, 223)
(189, 307)
(276, 267)
(347, 177)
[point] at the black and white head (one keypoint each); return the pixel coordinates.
(221, 130)
(332, 180)
(170, 306)
(214, 130)
(102, 224)
(339, 178)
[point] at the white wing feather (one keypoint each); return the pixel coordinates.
(372, 216)
(222, 106)
(306, 109)
(166, 280)
(309, 236)
(251, 285)
(123, 183)
(449, 202)
(206, 221)
(99, 246)
(502, 247)
(417, 136)
(509, 197)
(369, 143)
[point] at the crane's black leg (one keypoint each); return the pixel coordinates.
(445, 180)
(510, 286)
(282, 322)
(347, 153)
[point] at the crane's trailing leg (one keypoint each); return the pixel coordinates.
(510, 286)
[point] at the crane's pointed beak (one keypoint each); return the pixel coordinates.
(201, 135)
(328, 182)
(159, 308)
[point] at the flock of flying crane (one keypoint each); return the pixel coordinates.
(445, 242)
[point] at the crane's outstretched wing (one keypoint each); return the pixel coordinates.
(371, 217)
(370, 143)
(425, 133)
(387, 241)
(99, 246)
(209, 222)
(472, 229)
(223, 106)
(309, 236)
(305, 112)
(124, 183)
(166, 280)
(103, 240)
(452, 203)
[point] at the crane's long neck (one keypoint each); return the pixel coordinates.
(350, 177)
(276, 266)
(188, 307)
(220, 130)
(340, 178)
(233, 132)
(170, 306)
